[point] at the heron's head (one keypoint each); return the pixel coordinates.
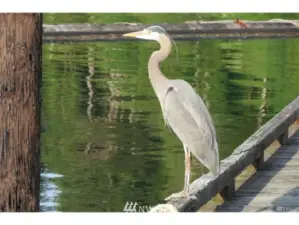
(150, 33)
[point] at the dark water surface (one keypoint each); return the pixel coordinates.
(105, 142)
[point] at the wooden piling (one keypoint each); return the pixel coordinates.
(20, 77)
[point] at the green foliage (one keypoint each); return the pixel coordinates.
(150, 18)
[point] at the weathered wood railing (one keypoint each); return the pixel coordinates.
(188, 30)
(250, 152)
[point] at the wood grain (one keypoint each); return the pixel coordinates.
(187, 30)
(20, 76)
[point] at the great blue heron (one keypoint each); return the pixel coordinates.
(183, 109)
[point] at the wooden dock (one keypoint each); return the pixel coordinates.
(262, 174)
(189, 30)
(276, 186)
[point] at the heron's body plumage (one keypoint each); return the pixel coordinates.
(186, 114)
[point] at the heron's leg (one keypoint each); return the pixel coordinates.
(185, 192)
(187, 170)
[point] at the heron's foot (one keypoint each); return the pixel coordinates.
(177, 195)
(193, 197)
(180, 195)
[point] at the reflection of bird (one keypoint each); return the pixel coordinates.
(183, 110)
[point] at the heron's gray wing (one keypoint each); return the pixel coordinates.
(189, 120)
(192, 100)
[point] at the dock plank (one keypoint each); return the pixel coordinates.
(275, 188)
(237, 171)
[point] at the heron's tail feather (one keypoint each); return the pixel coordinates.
(215, 169)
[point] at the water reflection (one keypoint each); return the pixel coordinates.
(104, 128)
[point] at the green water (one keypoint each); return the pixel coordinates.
(105, 142)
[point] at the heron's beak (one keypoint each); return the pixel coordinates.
(134, 34)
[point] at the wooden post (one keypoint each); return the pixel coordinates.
(284, 137)
(228, 192)
(259, 161)
(20, 78)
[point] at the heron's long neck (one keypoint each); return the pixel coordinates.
(157, 78)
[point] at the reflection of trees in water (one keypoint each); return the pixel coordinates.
(103, 151)
(240, 93)
(198, 67)
(107, 148)
(93, 106)
(87, 106)
(199, 77)
(113, 147)
(91, 71)
(263, 106)
(113, 103)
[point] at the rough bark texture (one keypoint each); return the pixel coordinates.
(20, 76)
